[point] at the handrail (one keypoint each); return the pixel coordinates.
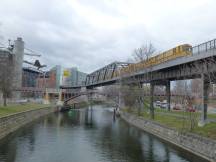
(203, 47)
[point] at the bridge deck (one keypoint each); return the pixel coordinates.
(200, 52)
(178, 61)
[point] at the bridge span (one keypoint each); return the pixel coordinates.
(199, 64)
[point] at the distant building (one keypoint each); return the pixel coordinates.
(12, 57)
(50, 79)
(30, 76)
(55, 77)
(74, 77)
(41, 81)
(6, 60)
(6, 57)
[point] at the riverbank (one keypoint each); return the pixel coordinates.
(201, 146)
(180, 120)
(16, 108)
(15, 117)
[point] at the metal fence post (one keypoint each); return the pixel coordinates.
(214, 43)
(198, 49)
(206, 45)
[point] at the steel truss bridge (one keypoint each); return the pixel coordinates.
(200, 64)
(202, 61)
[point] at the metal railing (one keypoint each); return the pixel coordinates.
(204, 47)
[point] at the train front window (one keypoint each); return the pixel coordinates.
(187, 48)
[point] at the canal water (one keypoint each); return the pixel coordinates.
(87, 135)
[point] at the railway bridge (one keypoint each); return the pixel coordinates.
(199, 64)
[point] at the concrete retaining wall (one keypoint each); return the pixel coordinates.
(198, 145)
(11, 123)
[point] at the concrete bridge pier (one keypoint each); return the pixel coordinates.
(121, 103)
(60, 101)
(89, 95)
(140, 100)
(46, 98)
(205, 90)
(168, 95)
(152, 86)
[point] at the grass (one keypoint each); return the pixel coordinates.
(158, 109)
(209, 130)
(16, 108)
(197, 114)
(179, 123)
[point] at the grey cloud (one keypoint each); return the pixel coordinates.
(64, 37)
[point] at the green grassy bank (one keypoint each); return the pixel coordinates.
(182, 121)
(16, 108)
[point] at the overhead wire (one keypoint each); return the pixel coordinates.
(33, 51)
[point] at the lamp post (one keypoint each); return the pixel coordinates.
(46, 99)
(60, 103)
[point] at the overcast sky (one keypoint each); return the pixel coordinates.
(91, 33)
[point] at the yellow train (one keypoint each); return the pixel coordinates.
(179, 51)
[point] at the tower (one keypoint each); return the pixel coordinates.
(18, 52)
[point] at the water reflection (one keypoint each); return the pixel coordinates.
(87, 135)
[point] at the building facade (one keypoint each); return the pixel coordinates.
(74, 77)
(50, 79)
(29, 77)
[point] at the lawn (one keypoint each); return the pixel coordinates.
(179, 122)
(12, 109)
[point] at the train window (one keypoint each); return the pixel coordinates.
(186, 48)
(174, 50)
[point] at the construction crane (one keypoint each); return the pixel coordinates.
(30, 54)
(36, 64)
(33, 53)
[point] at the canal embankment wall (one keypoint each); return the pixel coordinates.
(10, 123)
(201, 146)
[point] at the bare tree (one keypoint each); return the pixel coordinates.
(196, 85)
(139, 55)
(112, 93)
(180, 86)
(134, 93)
(130, 95)
(6, 74)
(144, 52)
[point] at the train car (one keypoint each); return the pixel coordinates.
(179, 51)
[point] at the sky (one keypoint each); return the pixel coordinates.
(89, 34)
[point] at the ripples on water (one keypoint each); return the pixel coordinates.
(87, 135)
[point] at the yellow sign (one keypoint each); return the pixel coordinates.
(66, 73)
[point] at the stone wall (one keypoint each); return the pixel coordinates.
(198, 145)
(11, 123)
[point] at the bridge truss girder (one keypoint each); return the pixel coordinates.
(106, 73)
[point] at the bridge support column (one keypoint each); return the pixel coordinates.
(63, 96)
(46, 98)
(152, 100)
(140, 99)
(205, 90)
(121, 100)
(60, 103)
(168, 95)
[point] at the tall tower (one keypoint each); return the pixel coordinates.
(18, 52)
